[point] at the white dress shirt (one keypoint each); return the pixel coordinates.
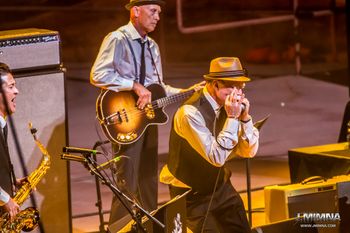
(114, 67)
(4, 196)
(235, 139)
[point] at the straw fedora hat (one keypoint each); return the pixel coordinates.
(227, 69)
(143, 2)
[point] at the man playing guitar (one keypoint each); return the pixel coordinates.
(129, 60)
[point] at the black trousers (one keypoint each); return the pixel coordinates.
(226, 214)
(137, 174)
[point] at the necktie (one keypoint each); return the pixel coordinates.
(4, 133)
(12, 172)
(143, 65)
(5, 130)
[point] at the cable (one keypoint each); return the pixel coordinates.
(218, 175)
(217, 115)
(97, 127)
(211, 199)
(114, 171)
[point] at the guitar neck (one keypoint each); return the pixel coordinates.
(162, 102)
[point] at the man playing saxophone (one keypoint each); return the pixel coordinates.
(7, 177)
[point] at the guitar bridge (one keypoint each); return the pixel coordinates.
(149, 111)
(126, 137)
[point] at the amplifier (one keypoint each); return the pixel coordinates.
(41, 100)
(287, 201)
(30, 49)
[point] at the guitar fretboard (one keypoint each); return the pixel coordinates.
(162, 102)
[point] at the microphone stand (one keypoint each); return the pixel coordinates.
(249, 192)
(258, 126)
(98, 192)
(91, 165)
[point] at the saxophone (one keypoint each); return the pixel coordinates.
(28, 218)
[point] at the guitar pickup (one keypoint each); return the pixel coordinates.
(115, 118)
(125, 115)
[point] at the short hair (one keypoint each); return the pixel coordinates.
(4, 69)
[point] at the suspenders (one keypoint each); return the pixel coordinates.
(133, 54)
(134, 58)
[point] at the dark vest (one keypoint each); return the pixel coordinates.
(185, 163)
(5, 166)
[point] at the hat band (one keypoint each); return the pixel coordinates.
(236, 73)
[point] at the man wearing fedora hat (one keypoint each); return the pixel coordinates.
(130, 60)
(210, 128)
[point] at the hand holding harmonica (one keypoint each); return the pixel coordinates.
(237, 106)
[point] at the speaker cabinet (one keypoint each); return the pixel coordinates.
(344, 206)
(321, 197)
(41, 100)
(323, 160)
(30, 49)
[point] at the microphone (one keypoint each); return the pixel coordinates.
(83, 151)
(70, 157)
(108, 163)
(100, 143)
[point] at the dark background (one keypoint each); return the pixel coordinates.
(83, 24)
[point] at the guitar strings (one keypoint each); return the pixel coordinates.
(155, 105)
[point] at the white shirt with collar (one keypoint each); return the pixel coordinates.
(2, 122)
(235, 139)
(114, 67)
(190, 125)
(4, 196)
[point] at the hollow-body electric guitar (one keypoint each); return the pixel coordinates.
(121, 120)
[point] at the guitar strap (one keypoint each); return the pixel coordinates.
(133, 53)
(153, 62)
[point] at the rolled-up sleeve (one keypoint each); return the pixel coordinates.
(4, 197)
